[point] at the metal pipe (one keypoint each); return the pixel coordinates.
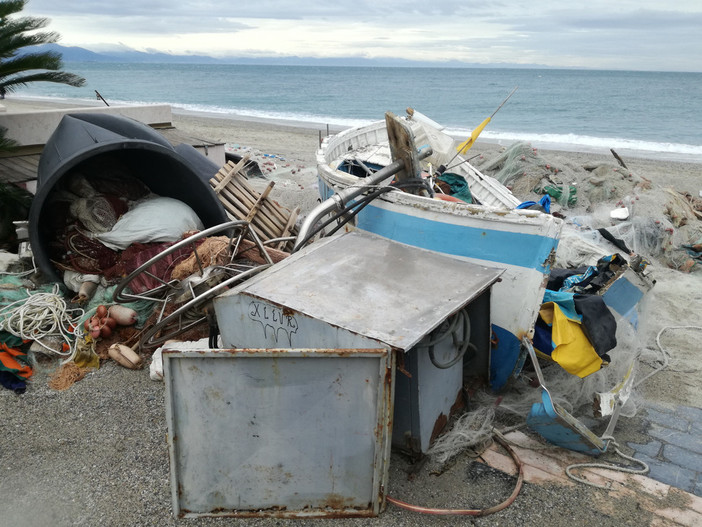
(338, 200)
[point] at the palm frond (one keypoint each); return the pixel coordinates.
(19, 69)
(6, 144)
(62, 77)
(11, 7)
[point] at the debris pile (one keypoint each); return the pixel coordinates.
(660, 224)
(117, 266)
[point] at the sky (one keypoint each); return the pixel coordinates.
(604, 34)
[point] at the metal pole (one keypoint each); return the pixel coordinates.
(338, 200)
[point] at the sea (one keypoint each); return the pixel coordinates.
(655, 113)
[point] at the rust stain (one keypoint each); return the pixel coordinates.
(400, 365)
(439, 425)
(328, 510)
(550, 260)
(459, 404)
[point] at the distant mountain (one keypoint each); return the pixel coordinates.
(78, 54)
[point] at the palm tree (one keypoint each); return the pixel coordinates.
(17, 70)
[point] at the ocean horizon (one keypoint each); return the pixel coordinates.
(654, 113)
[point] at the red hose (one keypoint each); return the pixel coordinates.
(472, 512)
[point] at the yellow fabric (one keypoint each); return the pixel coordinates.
(468, 143)
(571, 348)
(85, 356)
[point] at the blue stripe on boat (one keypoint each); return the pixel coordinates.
(530, 251)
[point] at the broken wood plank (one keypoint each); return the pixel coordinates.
(288, 228)
(261, 198)
(619, 159)
(232, 170)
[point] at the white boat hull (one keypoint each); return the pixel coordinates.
(522, 242)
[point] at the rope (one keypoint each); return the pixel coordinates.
(21, 274)
(665, 361)
(606, 466)
(43, 315)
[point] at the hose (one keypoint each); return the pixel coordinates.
(460, 318)
(474, 512)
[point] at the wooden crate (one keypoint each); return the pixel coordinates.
(267, 218)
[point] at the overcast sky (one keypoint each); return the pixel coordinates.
(619, 34)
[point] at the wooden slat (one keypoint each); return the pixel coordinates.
(241, 201)
(231, 171)
(257, 206)
(288, 227)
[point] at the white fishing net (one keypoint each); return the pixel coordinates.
(96, 214)
(510, 408)
(661, 226)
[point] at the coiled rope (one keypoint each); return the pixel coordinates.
(664, 363)
(614, 468)
(40, 316)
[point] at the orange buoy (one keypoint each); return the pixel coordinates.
(446, 197)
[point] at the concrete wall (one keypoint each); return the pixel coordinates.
(213, 152)
(33, 128)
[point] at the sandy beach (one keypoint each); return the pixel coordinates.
(95, 454)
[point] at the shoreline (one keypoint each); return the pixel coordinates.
(297, 143)
(183, 115)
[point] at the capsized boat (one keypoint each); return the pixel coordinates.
(490, 230)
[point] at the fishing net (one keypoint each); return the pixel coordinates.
(66, 376)
(682, 209)
(471, 430)
(608, 182)
(79, 252)
(528, 174)
(105, 174)
(509, 409)
(580, 247)
(78, 185)
(138, 254)
(212, 251)
(643, 235)
(98, 213)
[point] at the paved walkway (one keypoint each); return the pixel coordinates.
(674, 452)
(669, 503)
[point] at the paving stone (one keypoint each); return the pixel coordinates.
(683, 458)
(667, 420)
(688, 441)
(690, 413)
(668, 473)
(651, 449)
(670, 409)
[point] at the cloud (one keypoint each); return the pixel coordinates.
(626, 34)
